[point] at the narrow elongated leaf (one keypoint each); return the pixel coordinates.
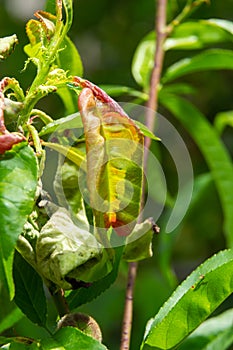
(213, 150)
(222, 120)
(192, 302)
(70, 338)
(208, 60)
(29, 296)
(72, 121)
(18, 180)
(68, 6)
(222, 23)
(114, 160)
(84, 295)
(186, 36)
(72, 153)
(213, 334)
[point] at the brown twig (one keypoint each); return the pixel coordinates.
(160, 28)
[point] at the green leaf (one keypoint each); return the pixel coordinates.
(114, 162)
(65, 253)
(213, 334)
(216, 155)
(192, 302)
(186, 36)
(118, 90)
(143, 60)
(208, 60)
(19, 343)
(9, 320)
(69, 59)
(72, 121)
(72, 153)
(50, 6)
(29, 292)
(222, 23)
(18, 181)
(68, 6)
(70, 338)
(196, 35)
(138, 245)
(222, 120)
(84, 295)
(145, 131)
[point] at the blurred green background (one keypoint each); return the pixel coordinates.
(107, 34)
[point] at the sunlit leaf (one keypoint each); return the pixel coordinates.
(186, 36)
(70, 338)
(29, 291)
(9, 320)
(216, 155)
(213, 334)
(18, 181)
(114, 161)
(221, 23)
(72, 121)
(192, 302)
(208, 60)
(222, 120)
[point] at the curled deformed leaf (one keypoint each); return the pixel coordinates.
(114, 147)
(66, 253)
(7, 45)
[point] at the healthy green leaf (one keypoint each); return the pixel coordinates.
(208, 60)
(68, 6)
(70, 338)
(186, 36)
(114, 162)
(69, 58)
(222, 120)
(72, 121)
(29, 292)
(192, 302)
(118, 90)
(145, 131)
(222, 23)
(19, 343)
(84, 295)
(213, 334)
(138, 245)
(9, 320)
(18, 181)
(216, 155)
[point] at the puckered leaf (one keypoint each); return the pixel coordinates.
(114, 160)
(7, 45)
(66, 253)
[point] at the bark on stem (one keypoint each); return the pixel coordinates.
(160, 29)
